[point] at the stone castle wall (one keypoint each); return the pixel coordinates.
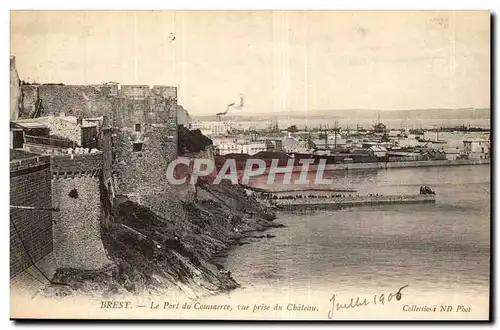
(76, 232)
(76, 163)
(143, 141)
(75, 100)
(30, 230)
(137, 114)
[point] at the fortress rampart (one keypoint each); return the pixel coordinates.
(30, 230)
(137, 142)
(76, 228)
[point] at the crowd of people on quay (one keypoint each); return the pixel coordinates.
(268, 196)
(424, 190)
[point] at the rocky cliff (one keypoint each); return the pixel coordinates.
(191, 141)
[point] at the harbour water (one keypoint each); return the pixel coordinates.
(440, 249)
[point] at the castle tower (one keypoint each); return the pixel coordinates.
(76, 228)
(144, 143)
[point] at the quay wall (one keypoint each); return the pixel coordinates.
(335, 203)
(381, 165)
(421, 163)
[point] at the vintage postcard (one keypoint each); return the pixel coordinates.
(250, 165)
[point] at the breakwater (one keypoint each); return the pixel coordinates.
(421, 163)
(298, 190)
(348, 201)
(378, 165)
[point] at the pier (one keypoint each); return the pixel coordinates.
(321, 198)
(346, 201)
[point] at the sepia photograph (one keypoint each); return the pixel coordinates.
(250, 165)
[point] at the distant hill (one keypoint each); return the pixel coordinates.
(466, 113)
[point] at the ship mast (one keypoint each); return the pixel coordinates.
(326, 137)
(335, 134)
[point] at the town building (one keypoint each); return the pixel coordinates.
(48, 129)
(290, 144)
(395, 133)
(433, 154)
(332, 141)
(378, 151)
(224, 146)
(400, 156)
(452, 153)
(477, 148)
(211, 128)
(410, 141)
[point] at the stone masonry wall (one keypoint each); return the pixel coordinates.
(77, 237)
(137, 114)
(76, 100)
(29, 94)
(29, 186)
(150, 122)
(64, 128)
(106, 147)
(76, 163)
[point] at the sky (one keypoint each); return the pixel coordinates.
(280, 61)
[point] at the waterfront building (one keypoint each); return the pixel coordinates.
(407, 142)
(211, 128)
(304, 146)
(331, 142)
(477, 148)
(378, 151)
(434, 154)
(369, 144)
(431, 136)
(404, 156)
(290, 144)
(224, 146)
(395, 133)
(274, 144)
(452, 153)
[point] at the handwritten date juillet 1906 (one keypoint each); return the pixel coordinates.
(355, 302)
